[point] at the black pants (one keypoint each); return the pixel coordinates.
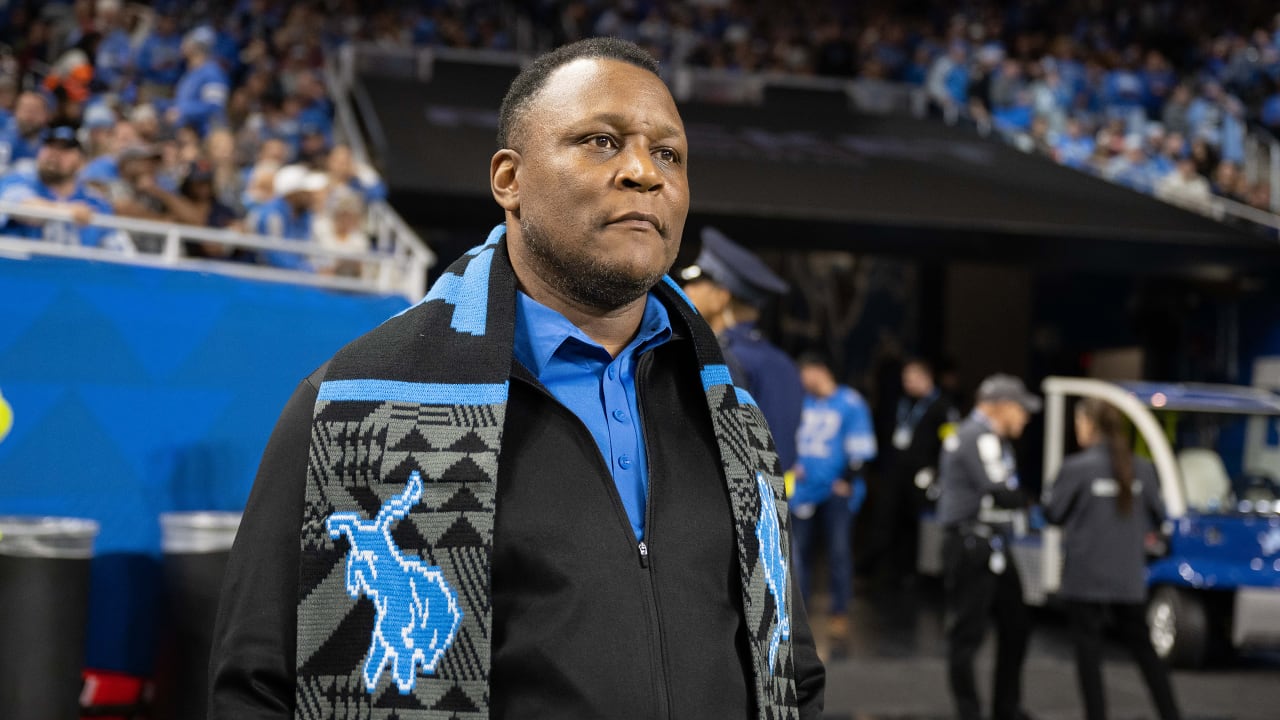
(897, 522)
(974, 595)
(1086, 628)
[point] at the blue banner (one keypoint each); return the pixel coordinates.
(128, 392)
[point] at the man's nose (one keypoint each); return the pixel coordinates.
(639, 171)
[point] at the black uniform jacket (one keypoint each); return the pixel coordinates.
(1103, 556)
(582, 628)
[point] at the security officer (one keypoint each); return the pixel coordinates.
(729, 285)
(980, 505)
(924, 417)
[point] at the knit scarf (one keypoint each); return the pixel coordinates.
(394, 606)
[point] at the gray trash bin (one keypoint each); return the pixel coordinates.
(44, 608)
(196, 546)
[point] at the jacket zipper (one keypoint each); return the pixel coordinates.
(661, 674)
(653, 619)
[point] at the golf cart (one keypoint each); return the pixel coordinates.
(1216, 586)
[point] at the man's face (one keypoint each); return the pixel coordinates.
(708, 297)
(56, 164)
(599, 189)
(1014, 417)
(817, 379)
(916, 381)
(30, 113)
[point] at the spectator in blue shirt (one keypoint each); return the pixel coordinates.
(21, 139)
(1132, 168)
(113, 60)
(344, 170)
(1074, 147)
(289, 215)
(834, 441)
(160, 58)
(1270, 115)
(201, 96)
(948, 80)
(54, 186)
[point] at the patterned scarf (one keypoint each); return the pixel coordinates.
(401, 479)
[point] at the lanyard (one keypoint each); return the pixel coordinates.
(910, 418)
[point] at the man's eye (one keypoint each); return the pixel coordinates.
(604, 142)
(667, 155)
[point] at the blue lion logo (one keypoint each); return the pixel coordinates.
(769, 533)
(417, 610)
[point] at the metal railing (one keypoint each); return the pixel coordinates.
(400, 270)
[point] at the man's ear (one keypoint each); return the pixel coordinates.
(503, 182)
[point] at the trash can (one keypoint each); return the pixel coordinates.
(196, 546)
(44, 607)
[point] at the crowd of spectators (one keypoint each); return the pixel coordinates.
(1154, 94)
(216, 113)
(160, 113)
(1157, 95)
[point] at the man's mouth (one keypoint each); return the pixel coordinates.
(638, 220)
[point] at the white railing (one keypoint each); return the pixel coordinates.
(389, 230)
(402, 270)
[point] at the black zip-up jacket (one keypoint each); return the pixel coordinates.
(586, 623)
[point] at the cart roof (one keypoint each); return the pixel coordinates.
(1196, 397)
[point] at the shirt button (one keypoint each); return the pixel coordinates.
(620, 415)
(613, 371)
(624, 462)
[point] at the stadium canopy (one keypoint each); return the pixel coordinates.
(800, 171)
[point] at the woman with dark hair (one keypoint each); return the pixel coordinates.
(1107, 502)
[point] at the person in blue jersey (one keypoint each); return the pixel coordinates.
(160, 57)
(20, 140)
(289, 214)
(835, 441)
(55, 186)
(113, 59)
(201, 96)
(729, 286)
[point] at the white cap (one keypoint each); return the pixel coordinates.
(298, 178)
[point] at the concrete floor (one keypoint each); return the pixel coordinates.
(894, 668)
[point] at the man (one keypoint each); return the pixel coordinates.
(290, 214)
(22, 138)
(834, 442)
(201, 96)
(980, 505)
(729, 285)
(55, 186)
(510, 501)
(922, 419)
(159, 59)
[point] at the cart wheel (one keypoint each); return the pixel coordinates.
(1178, 626)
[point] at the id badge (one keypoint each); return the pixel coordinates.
(997, 562)
(902, 437)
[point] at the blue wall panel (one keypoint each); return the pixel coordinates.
(137, 391)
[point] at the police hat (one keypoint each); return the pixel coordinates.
(735, 268)
(1000, 387)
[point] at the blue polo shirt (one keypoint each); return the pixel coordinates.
(599, 389)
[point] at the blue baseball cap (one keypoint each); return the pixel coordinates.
(203, 36)
(735, 268)
(99, 116)
(62, 135)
